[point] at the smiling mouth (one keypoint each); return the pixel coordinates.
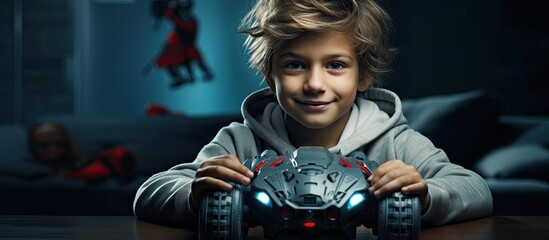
(314, 105)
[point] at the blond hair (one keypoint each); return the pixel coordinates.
(272, 22)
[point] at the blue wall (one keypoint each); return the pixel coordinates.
(118, 41)
(443, 48)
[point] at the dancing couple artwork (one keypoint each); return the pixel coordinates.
(180, 50)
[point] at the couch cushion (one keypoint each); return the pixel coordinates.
(461, 124)
(159, 143)
(538, 135)
(13, 139)
(15, 158)
(516, 161)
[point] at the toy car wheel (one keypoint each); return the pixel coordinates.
(399, 217)
(221, 215)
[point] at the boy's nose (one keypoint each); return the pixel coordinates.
(316, 81)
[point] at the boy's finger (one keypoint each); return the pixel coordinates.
(416, 188)
(389, 165)
(385, 168)
(223, 173)
(209, 183)
(387, 177)
(232, 162)
(392, 186)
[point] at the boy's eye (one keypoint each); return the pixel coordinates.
(335, 66)
(294, 65)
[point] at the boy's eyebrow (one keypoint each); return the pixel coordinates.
(288, 54)
(334, 55)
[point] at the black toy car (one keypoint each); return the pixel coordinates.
(310, 193)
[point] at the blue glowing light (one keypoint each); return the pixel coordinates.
(263, 198)
(356, 199)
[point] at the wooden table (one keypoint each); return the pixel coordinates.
(128, 227)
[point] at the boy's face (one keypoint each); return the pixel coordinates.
(316, 77)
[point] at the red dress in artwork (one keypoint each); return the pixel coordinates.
(180, 48)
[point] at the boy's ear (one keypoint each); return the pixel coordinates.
(270, 83)
(364, 83)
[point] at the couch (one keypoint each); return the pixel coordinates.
(158, 143)
(511, 153)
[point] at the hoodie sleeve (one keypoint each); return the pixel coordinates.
(457, 194)
(164, 197)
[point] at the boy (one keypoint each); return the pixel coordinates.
(319, 59)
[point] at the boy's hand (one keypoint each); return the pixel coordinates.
(214, 174)
(395, 175)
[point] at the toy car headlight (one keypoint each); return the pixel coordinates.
(264, 198)
(356, 199)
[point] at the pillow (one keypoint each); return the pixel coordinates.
(13, 139)
(461, 124)
(15, 158)
(516, 161)
(537, 135)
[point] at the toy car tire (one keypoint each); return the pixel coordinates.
(222, 215)
(399, 217)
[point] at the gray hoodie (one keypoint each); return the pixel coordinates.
(376, 126)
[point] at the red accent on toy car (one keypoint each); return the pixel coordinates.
(287, 213)
(277, 162)
(259, 166)
(309, 224)
(364, 169)
(345, 163)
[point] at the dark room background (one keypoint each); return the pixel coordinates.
(64, 57)
(501, 46)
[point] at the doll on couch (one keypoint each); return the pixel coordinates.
(52, 145)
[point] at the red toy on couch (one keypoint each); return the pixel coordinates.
(51, 145)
